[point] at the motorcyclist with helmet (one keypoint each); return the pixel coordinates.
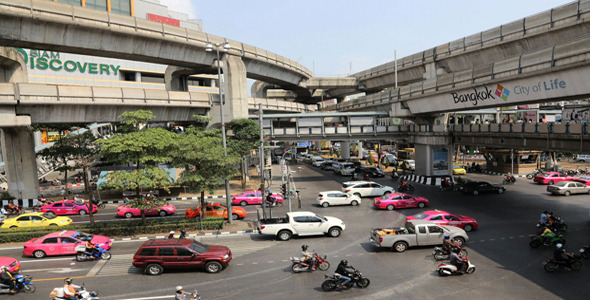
(307, 257)
(7, 279)
(90, 247)
(559, 254)
(456, 260)
(182, 234)
(345, 271)
(182, 295)
(69, 289)
(447, 244)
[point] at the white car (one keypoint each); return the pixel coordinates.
(330, 198)
(317, 161)
(366, 188)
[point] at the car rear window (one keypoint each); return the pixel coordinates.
(199, 247)
(420, 216)
(148, 251)
(50, 241)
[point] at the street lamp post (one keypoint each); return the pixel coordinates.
(225, 48)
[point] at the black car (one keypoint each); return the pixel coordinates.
(327, 164)
(372, 171)
(478, 187)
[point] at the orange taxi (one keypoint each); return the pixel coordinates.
(215, 210)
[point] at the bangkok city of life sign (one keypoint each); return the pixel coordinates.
(43, 60)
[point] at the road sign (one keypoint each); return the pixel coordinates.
(304, 144)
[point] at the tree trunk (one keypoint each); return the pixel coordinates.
(66, 180)
(244, 171)
(88, 193)
(203, 214)
(143, 220)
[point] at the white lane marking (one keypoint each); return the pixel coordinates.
(97, 267)
(148, 298)
(11, 248)
(44, 260)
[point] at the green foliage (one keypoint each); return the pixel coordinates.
(4, 195)
(149, 146)
(245, 138)
(114, 229)
(133, 120)
(148, 178)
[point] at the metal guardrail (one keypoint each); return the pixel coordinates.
(560, 16)
(81, 16)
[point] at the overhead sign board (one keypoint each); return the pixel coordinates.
(304, 144)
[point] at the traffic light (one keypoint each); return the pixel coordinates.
(284, 189)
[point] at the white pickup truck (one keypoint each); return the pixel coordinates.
(300, 223)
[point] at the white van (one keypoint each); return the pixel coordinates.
(317, 161)
(346, 168)
(583, 158)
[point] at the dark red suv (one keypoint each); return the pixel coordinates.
(156, 255)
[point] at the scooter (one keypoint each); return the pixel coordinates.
(22, 283)
(552, 265)
(298, 265)
(405, 188)
(509, 180)
(585, 252)
(83, 255)
(440, 254)
(446, 268)
(13, 211)
(84, 294)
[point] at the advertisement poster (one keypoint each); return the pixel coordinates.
(576, 115)
(441, 162)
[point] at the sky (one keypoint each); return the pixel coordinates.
(334, 38)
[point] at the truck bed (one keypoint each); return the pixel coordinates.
(270, 221)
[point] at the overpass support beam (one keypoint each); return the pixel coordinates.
(345, 149)
(20, 164)
(235, 89)
(434, 156)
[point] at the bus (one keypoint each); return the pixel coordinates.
(406, 154)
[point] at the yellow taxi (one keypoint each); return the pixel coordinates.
(36, 219)
(459, 170)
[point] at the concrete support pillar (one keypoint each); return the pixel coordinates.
(20, 162)
(424, 159)
(345, 150)
(360, 147)
(37, 138)
(138, 76)
(235, 89)
(318, 145)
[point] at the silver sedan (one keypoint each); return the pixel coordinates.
(568, 187)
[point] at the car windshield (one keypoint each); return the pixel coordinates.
(199, 247)
(561, 183)
(420, 216)
(544, 174)
(49, 216)
(457, 167)
(82, 236)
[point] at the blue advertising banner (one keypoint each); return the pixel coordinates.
(440, 162)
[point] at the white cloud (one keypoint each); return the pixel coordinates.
(185, 6)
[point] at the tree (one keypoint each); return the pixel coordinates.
(144, 148)
(246, 136)
(85, 150)
(200, 152)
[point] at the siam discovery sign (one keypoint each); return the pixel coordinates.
(44, 60)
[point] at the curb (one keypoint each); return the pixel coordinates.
(239, 232)
(32, 202)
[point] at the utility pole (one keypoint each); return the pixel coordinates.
(262, 170)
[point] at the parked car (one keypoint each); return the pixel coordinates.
(62, 243)
(12, 263)
(552, 177)
(317, 161)
(162, 211)
(330, 198)
(389, 160)
(409, 165)
(441, 217)
(156, 255)
(215, 210)
(300, 223)
(583, 179)
(372, 171)
(345, 169)
(68, 207)
(459, 170)
(415, 233)
(399, 200)
(253, 197)
(36, 219)
(583, 158)
(366, 188)
(568, 187)
(478, 187)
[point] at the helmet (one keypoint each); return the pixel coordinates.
(182, 231)
(179, 288)
(447, 237)
(68, 280)
(89, 239)
(550, 212)
(344, 262)
(304, 247)
(172, 232)
(558, 246)
(545, 212)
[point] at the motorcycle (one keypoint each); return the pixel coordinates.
(273, 204)
(14, 210)
(534, 173)
(405, 188)
(440, 254)
(509, 180)
(299, 265)
(446, 268)
(585, 252)
(82, 254)
(394, 176)
(22, 283)
(538, 241)
(333, 281)
(552, 265)
(56, 182)
(84, 294)
(558, 225)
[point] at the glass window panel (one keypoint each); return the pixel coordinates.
(97, 4)
(71, 2)
(122, 7)
(166, 252)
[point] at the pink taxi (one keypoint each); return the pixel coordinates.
(399, 200)
(253, 197)
(62, 243)
(12, 264)
(552, 177)
(129, 212)
(441, 217)
(67, 207)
